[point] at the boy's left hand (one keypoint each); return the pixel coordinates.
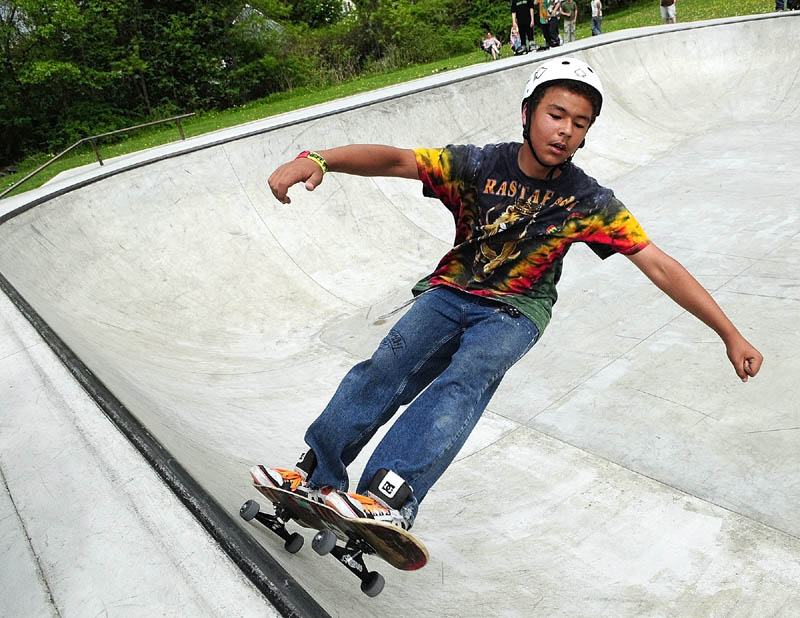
(746, 360)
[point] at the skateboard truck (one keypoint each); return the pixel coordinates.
(351, 555)
(325, 541)
(293, 541)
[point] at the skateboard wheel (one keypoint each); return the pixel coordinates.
(373, 584)
(249, 510)
(294, 543)
(323, 542)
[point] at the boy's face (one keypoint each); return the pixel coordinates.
(559, 123)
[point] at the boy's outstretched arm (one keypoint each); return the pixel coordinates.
(358, 159)
(675, 281)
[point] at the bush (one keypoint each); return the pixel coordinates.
(386, 35)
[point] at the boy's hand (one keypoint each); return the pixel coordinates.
(357, 159)
(746, 360)
(288, 174)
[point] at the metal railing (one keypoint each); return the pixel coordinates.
(93, 141)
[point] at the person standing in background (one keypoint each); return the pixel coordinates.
(522, 17)
(597, 17)
(543, 23)
(668, 11)
(569, 10)
(553, 13)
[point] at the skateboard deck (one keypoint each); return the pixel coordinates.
(398, 547)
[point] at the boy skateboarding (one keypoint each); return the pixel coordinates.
(518, 207)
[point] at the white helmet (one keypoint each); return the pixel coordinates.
(563, 68)
(557, 69)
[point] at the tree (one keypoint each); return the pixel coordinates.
(62, 69)
(73, 68)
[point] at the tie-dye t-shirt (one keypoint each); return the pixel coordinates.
(513, 231)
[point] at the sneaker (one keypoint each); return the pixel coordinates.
(306, 464)
(291, 480)
(386, 495)
(390, 489)
(364, 507)
(288, 480)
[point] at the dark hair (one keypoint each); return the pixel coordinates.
(573, 86)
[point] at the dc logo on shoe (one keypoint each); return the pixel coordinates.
(389, 489)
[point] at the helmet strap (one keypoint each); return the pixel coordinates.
(526, 135)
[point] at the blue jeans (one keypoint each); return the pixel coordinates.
(597, 26)
(447, 355)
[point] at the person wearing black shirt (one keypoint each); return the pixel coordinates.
(523, 18)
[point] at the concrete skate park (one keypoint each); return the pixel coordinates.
(166, 324)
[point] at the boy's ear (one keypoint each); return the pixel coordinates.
(526, 130)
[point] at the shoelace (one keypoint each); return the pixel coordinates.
(291, 477)
(370, 504)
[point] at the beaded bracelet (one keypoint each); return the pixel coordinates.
(315, 157)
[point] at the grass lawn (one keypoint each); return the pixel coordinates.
(645, 13)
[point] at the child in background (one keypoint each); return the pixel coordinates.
(491, 45)
(514, 41)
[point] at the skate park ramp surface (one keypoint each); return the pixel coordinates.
(622, 469)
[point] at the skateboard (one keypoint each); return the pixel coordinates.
(358, 537)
